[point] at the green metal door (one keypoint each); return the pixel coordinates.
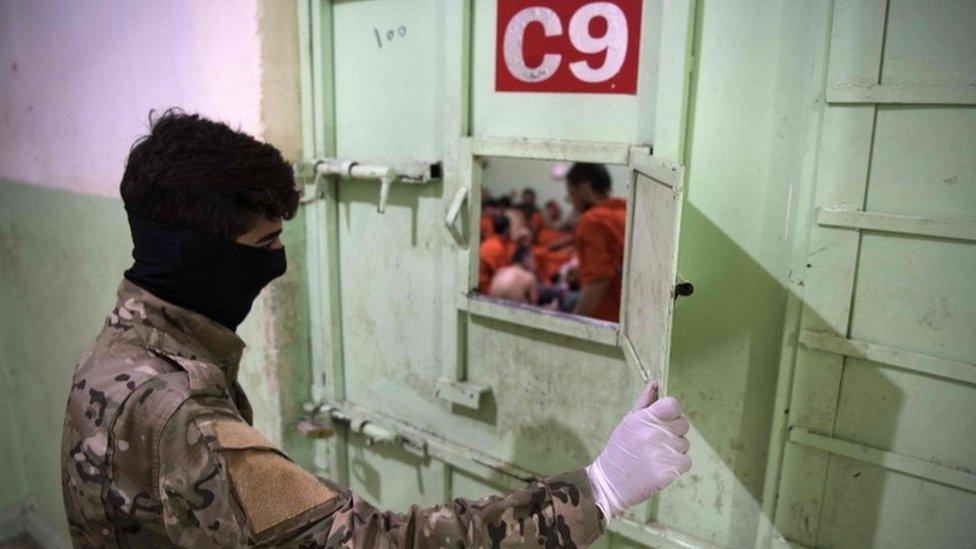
(880, 416)
(436, 394)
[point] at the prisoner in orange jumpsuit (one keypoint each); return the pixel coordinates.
(487, 226)
(494, 252)
(533, 215)
(599, 239)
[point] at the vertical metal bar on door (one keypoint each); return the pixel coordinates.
(319, 140)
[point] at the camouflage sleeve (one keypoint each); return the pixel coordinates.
(556, 512)
(222, 484)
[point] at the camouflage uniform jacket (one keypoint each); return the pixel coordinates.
(158, 450)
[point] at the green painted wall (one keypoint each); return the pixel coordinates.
(12, 482)
(62, 258)
(753, 99)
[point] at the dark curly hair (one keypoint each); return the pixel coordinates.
(199, 174)
(596, 174)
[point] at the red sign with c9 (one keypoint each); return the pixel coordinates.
(577, 46)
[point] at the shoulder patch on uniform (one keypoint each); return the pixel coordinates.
(233, 434)
(272, 489)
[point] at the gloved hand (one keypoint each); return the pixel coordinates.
(645, 453)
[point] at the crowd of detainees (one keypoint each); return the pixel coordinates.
(564, 261)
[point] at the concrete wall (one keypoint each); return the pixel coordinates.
(80, 78)
(77, 81)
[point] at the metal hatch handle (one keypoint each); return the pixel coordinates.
(450, 221)
(355, 170)
(309, 175)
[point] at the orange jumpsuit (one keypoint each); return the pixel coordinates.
(487, 226)
(548, 236)
(548, 262)
(600, 246)
(537, 223)
(493, 254)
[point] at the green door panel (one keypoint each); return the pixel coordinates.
(876, 135)
(867, 506)
(917, 294)
(389, 73)
(381, 473)
(930, 43)
(908, 414)
(882, 452)
(652, 264)
(540, 415)
(389, 87)
(924, 162)
(388, 80)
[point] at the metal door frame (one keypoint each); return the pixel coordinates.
(321, 223)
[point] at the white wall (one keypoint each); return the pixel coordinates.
(78, 78)
(503, 175)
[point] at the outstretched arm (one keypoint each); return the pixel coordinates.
(222, 484)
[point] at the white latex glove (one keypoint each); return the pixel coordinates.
(645, 453)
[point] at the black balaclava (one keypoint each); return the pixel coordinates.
(205, 273)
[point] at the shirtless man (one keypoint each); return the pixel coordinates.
(517, 282)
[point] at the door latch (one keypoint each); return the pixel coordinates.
(323, 418)
(450, 220)
(317, 424)
(412, 173)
